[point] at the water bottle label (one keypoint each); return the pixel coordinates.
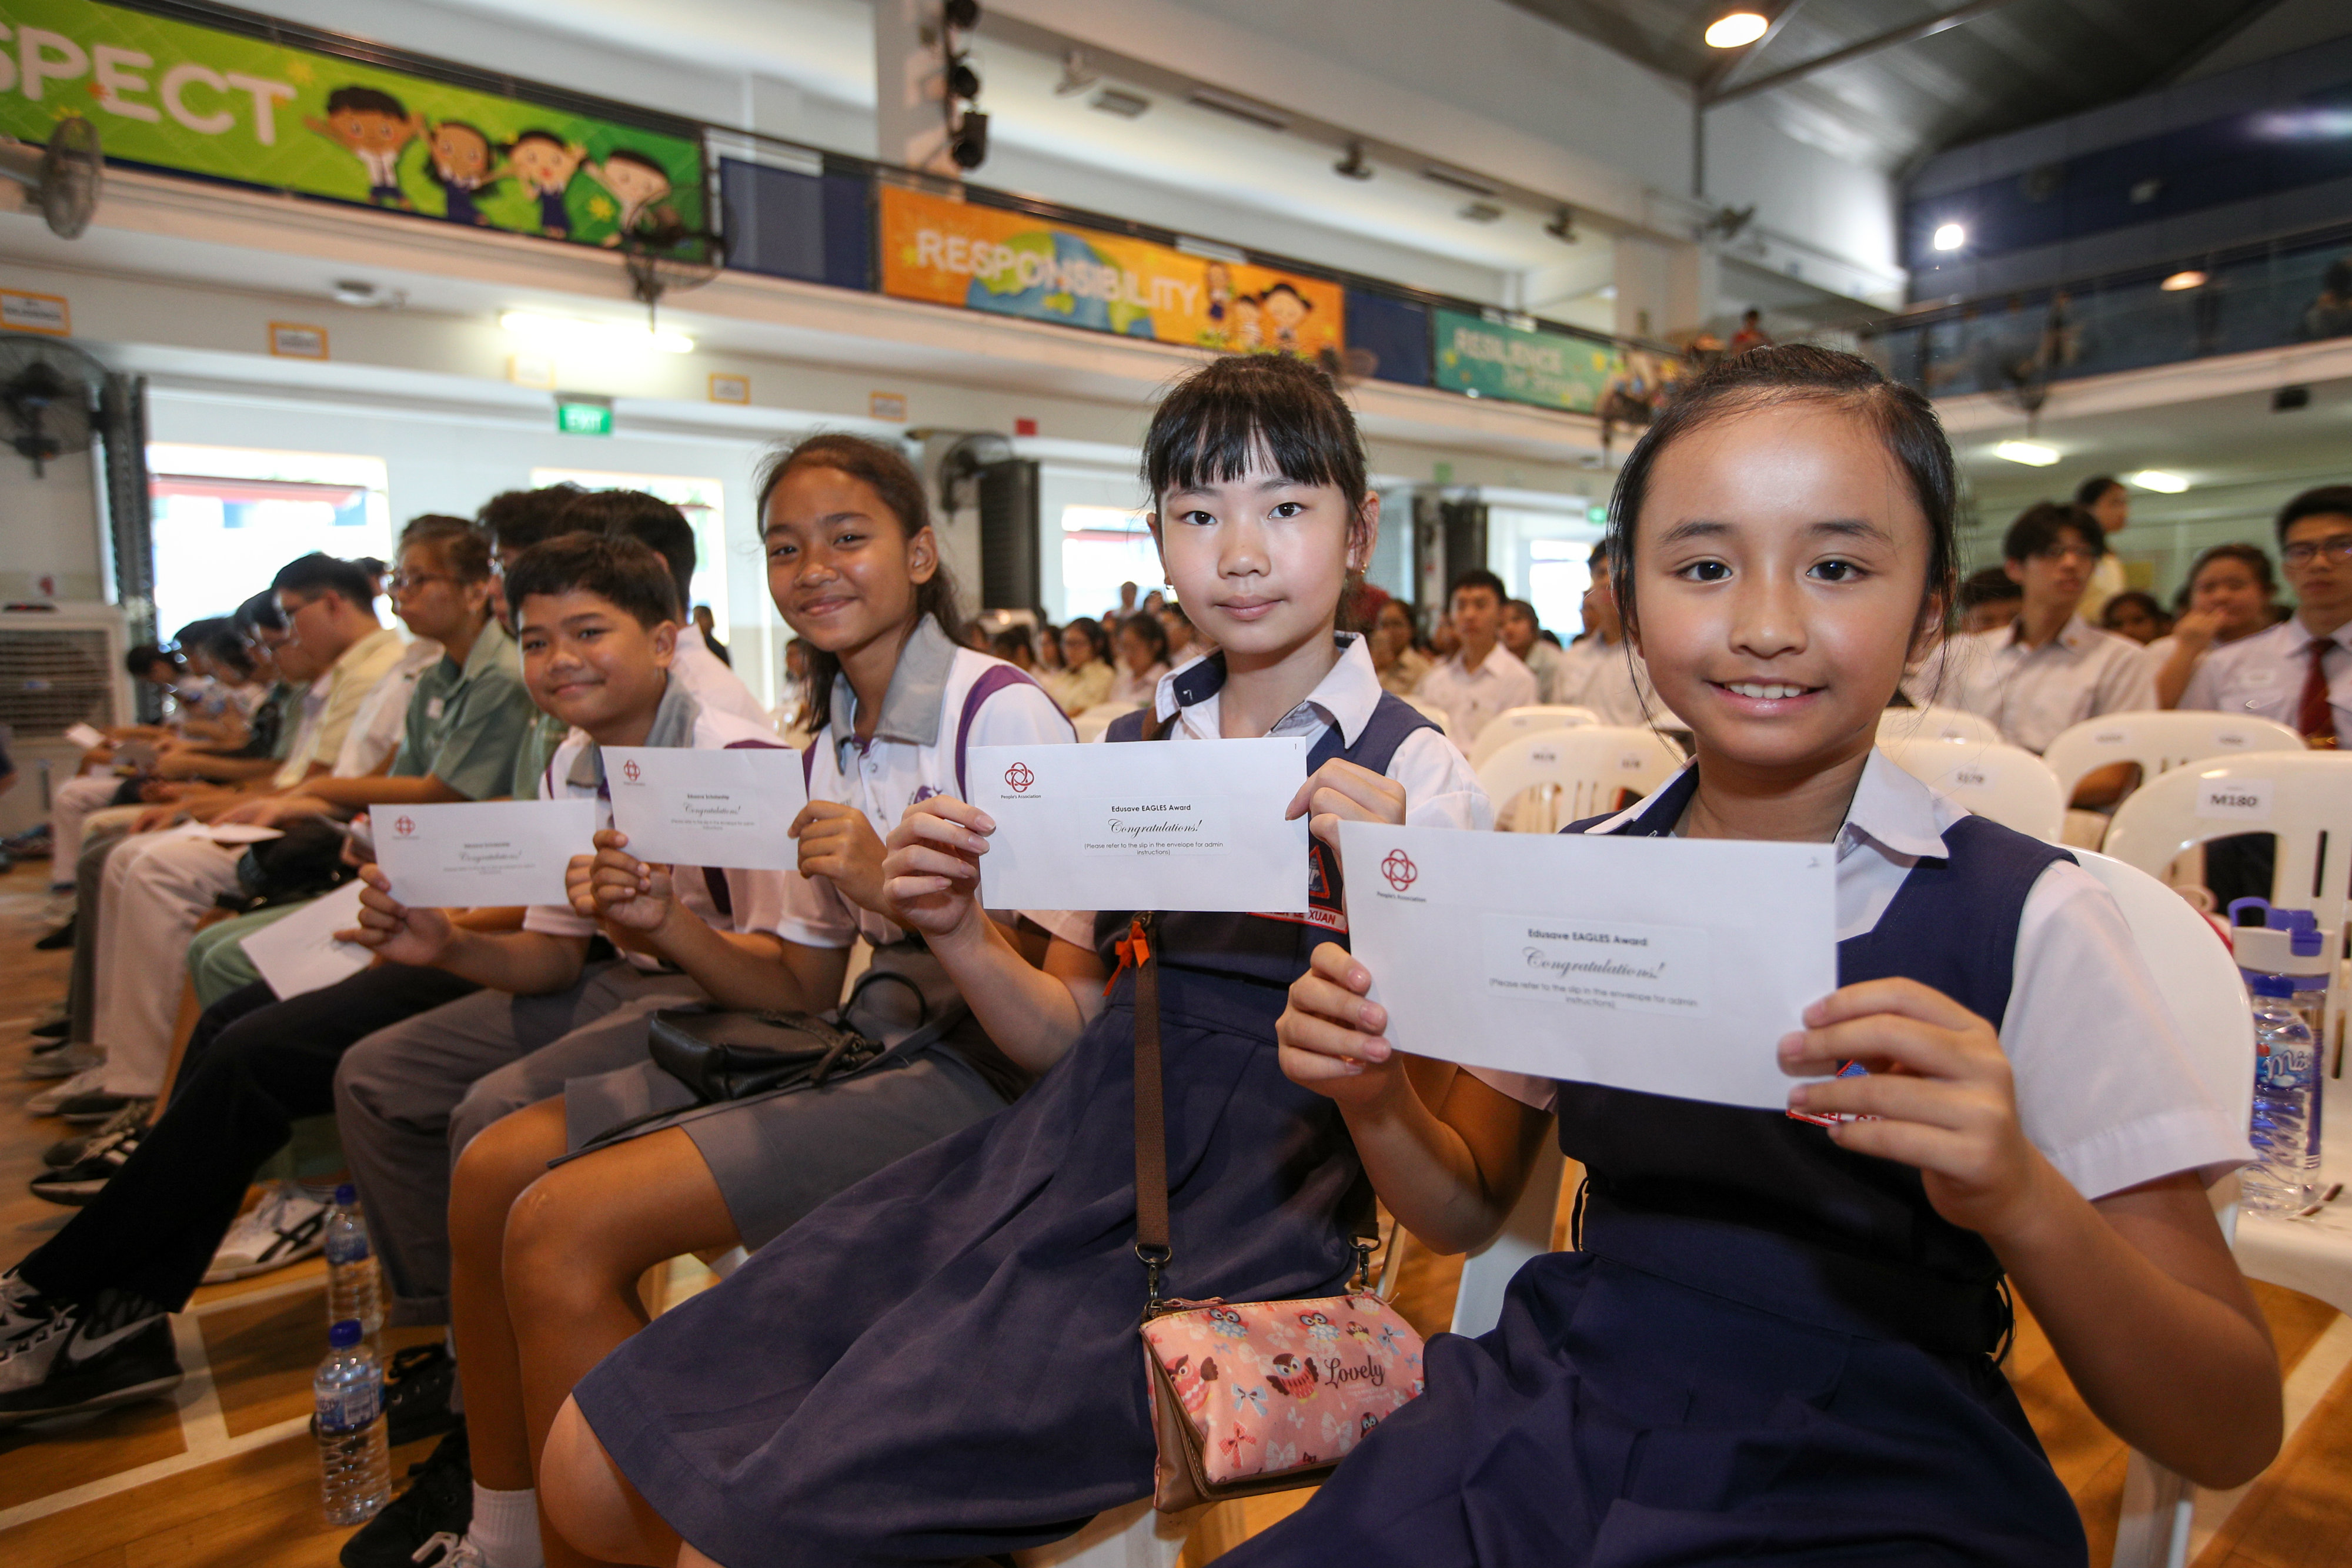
(349, 1409)
(2285, 1065)
(347, 1250)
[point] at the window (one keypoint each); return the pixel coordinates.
(1538, 546)
(1103, 547)
(224, 518)
(704, 502)
(1556, 579)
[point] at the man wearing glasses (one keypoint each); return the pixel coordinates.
(2300, 671)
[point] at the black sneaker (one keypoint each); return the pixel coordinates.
(63, 936)
(92, 1108)
(68, 1151)
(82, 1359)
(416, 1389)
(438, 1501)
(78, 1183)
(55, 1029)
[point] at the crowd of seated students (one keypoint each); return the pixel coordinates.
(930, 1356)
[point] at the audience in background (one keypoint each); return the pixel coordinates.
(1086, 676)
(1522, 634)
(1989, 600)
(1184, 639)
(2226, 598)
(2109, 505)
(2299, 670)
(2135, 614)
(1012, 645)
(1483, 677)
(1602, 671)
(1143, 660)
(706, 624)
(1402, 665)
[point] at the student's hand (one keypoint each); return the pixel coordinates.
(931, 870)
(2198, 628)
(1329, 1036)
(839, 844)
(1940, 1088)
(615, 886)
(276, 811)
(1342, 790)
(155, 792)
(155, 819)
(392, 930)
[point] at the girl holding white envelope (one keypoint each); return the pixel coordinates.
(1779, 1340)
(947, 1362)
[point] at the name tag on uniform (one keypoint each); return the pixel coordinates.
(433, 706)
(1182, 824)
(1665, 966)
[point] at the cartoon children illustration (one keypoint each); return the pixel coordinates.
(639, 182)
(1285, 308)
(462, 162)
(1249, 327)
(544, 163)
(374, 127)
(1219, 281)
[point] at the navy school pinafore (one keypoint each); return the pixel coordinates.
(941, 1362)
(1770, 1350)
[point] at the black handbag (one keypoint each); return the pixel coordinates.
(725, 1056)
(307, 862)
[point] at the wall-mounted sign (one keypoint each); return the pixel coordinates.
(1495, 358)
(891, 406)
(23, 312)
(175, 95)
(291, 340)
(1013, 264)
(731, 389)
(579, 416)
(536, 371)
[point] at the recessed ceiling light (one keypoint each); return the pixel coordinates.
(1736, 31)
(2159, 481)
(1119, 102)
(2181, 281)
(1949, 237)
(551, 334)
(1265, 116)
(2032, 454)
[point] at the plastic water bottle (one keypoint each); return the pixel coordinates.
(2290, 943)
(354, 1463)
(352, 1291)
(2286, 1081)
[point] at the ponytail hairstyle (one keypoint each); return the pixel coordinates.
(1791, 372)
(885, 470)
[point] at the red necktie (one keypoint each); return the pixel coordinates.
(2313, 715)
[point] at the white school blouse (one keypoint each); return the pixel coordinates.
(2104, 1086)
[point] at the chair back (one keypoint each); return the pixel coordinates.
(2303, 797)
(1513, 722)
(2006, 783)
(1432, 712)
(1581, 770)
(1934, 723)
(1091, 724)
(2160, 742)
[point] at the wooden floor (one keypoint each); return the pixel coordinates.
(225, 1476)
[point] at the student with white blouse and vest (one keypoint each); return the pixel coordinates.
(2300, 671)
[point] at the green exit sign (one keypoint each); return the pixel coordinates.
(583, 415)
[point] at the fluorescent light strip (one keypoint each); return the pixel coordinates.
(2158, 480)
(2033, 454)
(551, 334)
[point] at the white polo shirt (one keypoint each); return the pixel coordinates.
(376, 728)
(755, 900)
(2033, 693)
(2265, 675)
(2104, 1087)
(919, 738)
(1471, 698)
(713, 683)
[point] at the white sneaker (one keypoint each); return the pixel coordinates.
(445, 1549)
(285, 1226)
(88, 1082)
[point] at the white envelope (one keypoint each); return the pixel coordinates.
(1186, 824)
(300, 954)
(85, 736)
(482, 854)
(1668, 965)
(724, 809)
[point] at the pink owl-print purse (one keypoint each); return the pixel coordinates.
(1249, 1397)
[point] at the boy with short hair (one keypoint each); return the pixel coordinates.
(2300, 671)
(1483, 677)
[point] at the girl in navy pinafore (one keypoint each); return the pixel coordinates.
(942, 1362)
(1775, 1342)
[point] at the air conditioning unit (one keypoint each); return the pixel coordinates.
(59, 667)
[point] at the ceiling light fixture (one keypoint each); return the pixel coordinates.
(2183, 281)
(2032, 454)
(1737, 30)
(551, 334)
(1949, 237)
(1562, 227)
(1458, 179)
(2158, 480)
(1119, 102)
(1479, 212)
(1239, 108)
(1353, 165)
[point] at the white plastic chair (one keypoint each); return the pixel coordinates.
(1589, 765)
(1091, 724)
(1513, 722)
(2006, 783)
(1432, 712)
(2160, 742)
(1934, 723)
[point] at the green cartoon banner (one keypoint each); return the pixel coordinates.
(173, 95)
(1495, 358)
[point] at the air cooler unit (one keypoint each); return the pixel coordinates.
(58, 668)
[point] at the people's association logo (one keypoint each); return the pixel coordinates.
(631, 771)
(1020, 778)
(405, 826)
(1400, 870)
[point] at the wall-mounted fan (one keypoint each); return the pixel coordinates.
(63, 179)
(48, 397)
(666, 258)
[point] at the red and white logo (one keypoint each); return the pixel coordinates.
(1020, 778)
(631, 771)
(405, 826)
(1400, 870)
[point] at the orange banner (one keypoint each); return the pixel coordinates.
(1015, 263)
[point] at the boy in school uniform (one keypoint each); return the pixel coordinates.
(2300, 671)
(2050, 668)
(1483, 677)
(1599, 672)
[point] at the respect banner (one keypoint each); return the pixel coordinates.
(176, 96)
(1495, 358)
(1015, 263)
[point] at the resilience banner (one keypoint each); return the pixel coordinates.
(1495, 360)
(1015, 263)
(176, 96)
